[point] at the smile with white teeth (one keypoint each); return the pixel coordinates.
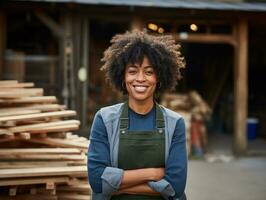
(140, 88)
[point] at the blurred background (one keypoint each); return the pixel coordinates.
(58, 45)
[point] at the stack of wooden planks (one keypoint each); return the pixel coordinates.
(190, 106)
(40, 158)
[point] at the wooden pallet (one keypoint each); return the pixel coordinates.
(40, 157)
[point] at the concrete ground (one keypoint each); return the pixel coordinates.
(222, 177)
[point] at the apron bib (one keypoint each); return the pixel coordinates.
(140, 149)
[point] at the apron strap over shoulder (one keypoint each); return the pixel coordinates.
(159, 118)
(124, 117)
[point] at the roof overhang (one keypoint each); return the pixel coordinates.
(178, 4)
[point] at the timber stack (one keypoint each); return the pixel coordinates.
(196, 113)
(40, 158)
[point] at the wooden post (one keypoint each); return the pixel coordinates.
(241, 88)
(2, 41)
(66, 53)
(85, 62)
(77, 58)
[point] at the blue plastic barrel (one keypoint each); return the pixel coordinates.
(252, 128)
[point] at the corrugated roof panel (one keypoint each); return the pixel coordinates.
(188, 4)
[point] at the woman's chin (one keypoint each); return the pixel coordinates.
(140, 97)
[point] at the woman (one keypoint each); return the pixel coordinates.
(138, 148)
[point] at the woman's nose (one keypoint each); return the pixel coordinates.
(140, 76)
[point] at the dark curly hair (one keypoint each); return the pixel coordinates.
(131, 47)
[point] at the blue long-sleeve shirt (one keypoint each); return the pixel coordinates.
(99, 152)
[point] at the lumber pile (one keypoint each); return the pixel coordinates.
(195, 112)
(40, 157)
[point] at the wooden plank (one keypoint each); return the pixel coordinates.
(4, 82)
(43, 125)
(48, 157)
(45, 171)
(70, 127)
(20, 90)
(30, 197)
(10, 138)
(5, 132)
(60, 143)
(75, 188)
(73, 197)
(40, 151)
(37, 164)
(41, 107)
(74, 181)
(39, 99)
(36, 180)
(7, 124)
(16, 85)
(19, 112)
(42, 190)
(64, 113)
(16, 93)
(241, 89)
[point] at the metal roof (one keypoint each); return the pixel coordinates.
(179, 4)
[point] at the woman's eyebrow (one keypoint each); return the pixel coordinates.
(148, 66)
(136, 66)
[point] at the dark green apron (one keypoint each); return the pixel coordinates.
(140, 149)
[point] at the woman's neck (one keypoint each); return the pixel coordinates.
(141, 107)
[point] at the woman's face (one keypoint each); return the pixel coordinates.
(140, 81)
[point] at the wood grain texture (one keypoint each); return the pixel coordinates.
(45, 171)
(65, 113)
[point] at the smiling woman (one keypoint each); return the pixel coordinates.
(140, 81)
(137, 149)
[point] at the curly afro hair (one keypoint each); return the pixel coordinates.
(131, 47)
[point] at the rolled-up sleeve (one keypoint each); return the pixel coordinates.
(174, 182)
(102, 177)
(112, 178)
(163, 187)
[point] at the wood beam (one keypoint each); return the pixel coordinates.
(241, 88)
(50, 23)
(206, 38)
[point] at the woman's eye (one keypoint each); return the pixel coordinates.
(149, 72)
(132, 71)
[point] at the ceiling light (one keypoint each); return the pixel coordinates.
(193, 27)
(161, 30)
(153, 27)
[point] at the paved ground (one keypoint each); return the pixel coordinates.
(243, 179)
(223, 177)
